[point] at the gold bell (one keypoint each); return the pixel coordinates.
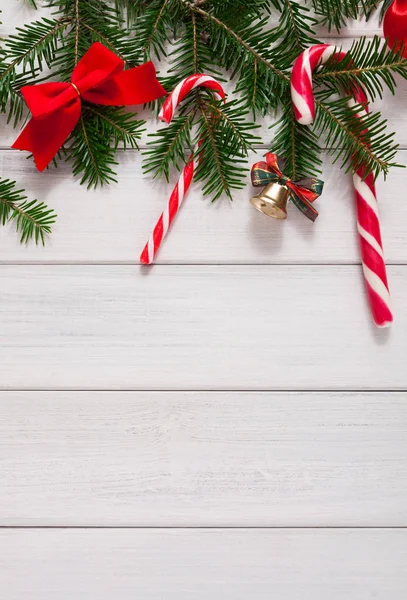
(272, 201)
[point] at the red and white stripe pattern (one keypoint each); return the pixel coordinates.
(368, 224)
(185, 179)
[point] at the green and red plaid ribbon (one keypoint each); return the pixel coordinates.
(302, 192)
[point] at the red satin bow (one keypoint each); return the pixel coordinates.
(395, 25)
(98, 78)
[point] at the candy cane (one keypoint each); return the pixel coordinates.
(374, 267)
(185, 179)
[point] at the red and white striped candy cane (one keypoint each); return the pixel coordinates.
(374, 267)
(185, 179)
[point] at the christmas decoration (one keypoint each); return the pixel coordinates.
(272, 200)
(251, 43)
(185, 179)
(395, 25)
(374, 267)
(98, 78)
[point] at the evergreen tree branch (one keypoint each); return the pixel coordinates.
(297, 143)
(93, 157)
(223, 26)
(225, 138)
(369, 63)
(152, 34)
(355, 138)
(171, 147)
(32, 219)
(116, 125)
(296, 25)
(335, 13)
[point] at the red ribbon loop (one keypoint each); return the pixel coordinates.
(98, 78)
(395, 25)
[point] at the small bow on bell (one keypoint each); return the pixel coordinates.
(302, 193)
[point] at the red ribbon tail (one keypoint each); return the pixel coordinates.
(44, 137)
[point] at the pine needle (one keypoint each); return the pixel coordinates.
(32, 219)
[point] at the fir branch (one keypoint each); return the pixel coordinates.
(225, 138)
(369, 63)
(251, 49)
(34, 44)
(156, 34)
(297, 143)
(92, 155)
(190, 54)
(22, 58)
(296, 25)
(116, 125)
(129, 10)
(153, 26)
(92, 21)
(247, 51)
(32, 219)
(335, 13)
(171, 147)
(355, 138)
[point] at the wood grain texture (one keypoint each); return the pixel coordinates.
(180, 564)
(203, 459)
(214, 327)
(176, 459)
(113, 224)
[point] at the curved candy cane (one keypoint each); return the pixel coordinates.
(185, 179)
(374, 267)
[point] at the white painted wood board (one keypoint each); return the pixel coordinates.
(203, 459)
(208, 327)
(179, 564)
(111, 225)
(319, 461)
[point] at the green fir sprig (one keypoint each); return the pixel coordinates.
(32, 219)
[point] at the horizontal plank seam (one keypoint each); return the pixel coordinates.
(319, 391)
(130, 263)
(214, 527)
(170, 265)
(394, 390)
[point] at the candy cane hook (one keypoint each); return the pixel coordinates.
(185, 179)
(374, 267)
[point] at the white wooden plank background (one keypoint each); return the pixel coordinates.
(238, 303)
(230, 564)
(203, 459)
(183, 327)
